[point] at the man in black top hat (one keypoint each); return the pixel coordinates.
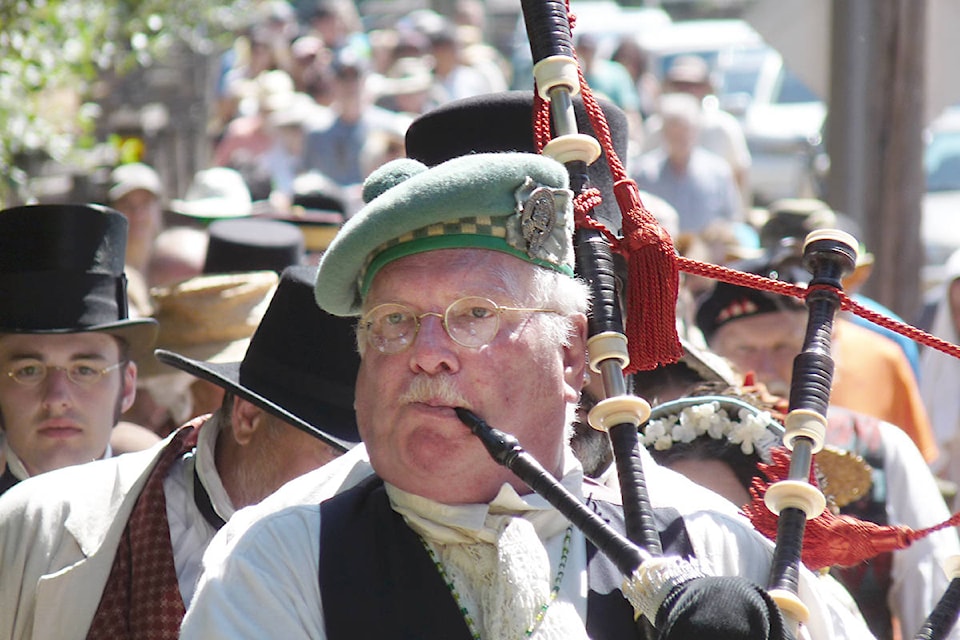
(67, 343)
(116, 545)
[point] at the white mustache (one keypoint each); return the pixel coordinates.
(438, 390)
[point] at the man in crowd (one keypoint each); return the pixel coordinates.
(137, 192)
(112, 549)
(67, 344)
(695, 181)
(719, 132)
(460, 308)
(761, 332)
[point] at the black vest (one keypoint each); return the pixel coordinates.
(377, 580)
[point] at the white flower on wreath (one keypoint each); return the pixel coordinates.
(749, 430)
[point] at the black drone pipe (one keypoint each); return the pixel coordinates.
(548, 30)
(941, 620)
(829, 255)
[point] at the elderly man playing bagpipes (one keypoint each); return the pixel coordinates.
(463, 276)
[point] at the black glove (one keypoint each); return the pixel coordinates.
(720, 608)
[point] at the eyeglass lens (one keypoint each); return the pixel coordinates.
(470, 322)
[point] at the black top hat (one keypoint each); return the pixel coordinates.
(253, 244)
(503, 121)
(301, 364)
(61, 271)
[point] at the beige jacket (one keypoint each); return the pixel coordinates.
(58, 535)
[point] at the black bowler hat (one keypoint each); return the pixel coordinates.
(503, 121)
(301, 364)
(318, 210)
(727, 302)
(253, 244)
(61, 271)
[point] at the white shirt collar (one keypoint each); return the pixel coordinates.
(207, 468)
(466, 523)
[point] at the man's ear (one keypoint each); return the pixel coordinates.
(245, 417)
(575, 358)
(129, 389)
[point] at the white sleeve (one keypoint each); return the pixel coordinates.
(262, 584)
(914, 500)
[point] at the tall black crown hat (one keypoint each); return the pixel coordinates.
(62, 271)
(253, 244)
(503, 121)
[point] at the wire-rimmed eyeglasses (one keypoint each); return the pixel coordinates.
(30, 373)
(470, 322)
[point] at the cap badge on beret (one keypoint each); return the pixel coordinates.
(537, 207)
(538, 217)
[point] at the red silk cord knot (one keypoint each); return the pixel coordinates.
(653, 275)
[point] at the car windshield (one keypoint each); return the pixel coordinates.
(793, 90)
(941, 161)
(737, 70)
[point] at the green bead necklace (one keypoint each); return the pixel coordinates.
(471, 623)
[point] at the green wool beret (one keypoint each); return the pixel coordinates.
(518, 203)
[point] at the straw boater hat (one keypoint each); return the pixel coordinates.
(62, 271)
(301, 364)
(209, 317)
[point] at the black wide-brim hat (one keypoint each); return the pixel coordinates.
(62, 271)
(503, 121)
(301, 365)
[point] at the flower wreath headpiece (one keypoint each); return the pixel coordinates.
(719, 417)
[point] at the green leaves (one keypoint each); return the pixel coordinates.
(52, 52)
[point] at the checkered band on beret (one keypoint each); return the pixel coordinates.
(451, 231)
(516, 203)
(483, 225)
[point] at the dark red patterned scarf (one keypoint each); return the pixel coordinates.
(142, 597)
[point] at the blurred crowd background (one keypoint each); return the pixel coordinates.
(286, 115)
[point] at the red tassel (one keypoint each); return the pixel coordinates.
(653, 281)
(653, 276)
(831, 540)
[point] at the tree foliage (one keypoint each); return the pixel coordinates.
(53, 53)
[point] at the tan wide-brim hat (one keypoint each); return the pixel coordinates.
(210, 317)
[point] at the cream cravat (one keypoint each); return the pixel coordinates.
(494, 555)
